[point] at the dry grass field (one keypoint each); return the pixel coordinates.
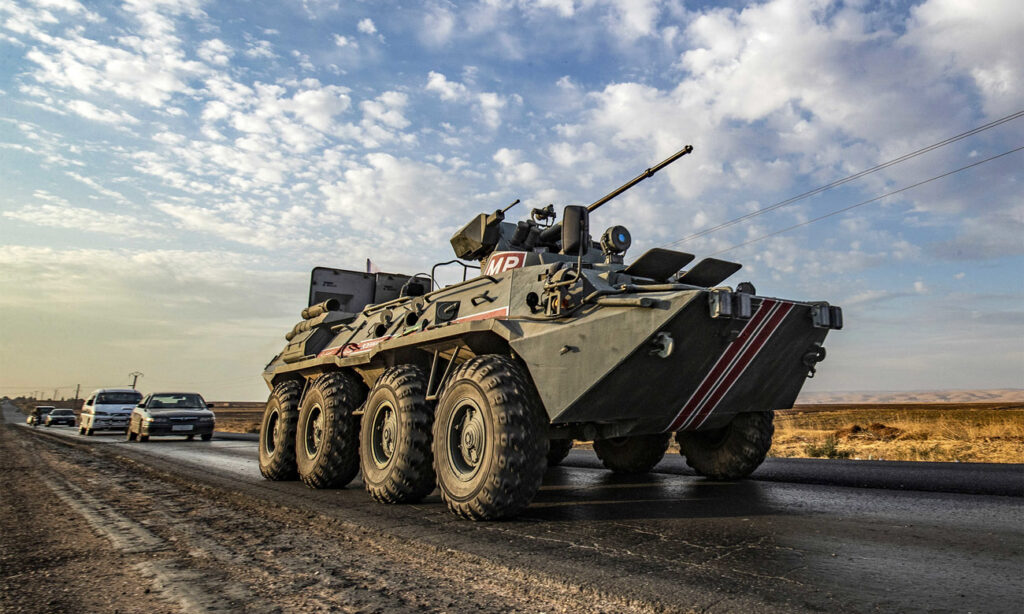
(962, 432)
(955, 432)
(238, 417)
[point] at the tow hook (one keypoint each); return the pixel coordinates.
(662, 345)
(812, 357)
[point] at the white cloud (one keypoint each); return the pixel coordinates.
(83, 219)
(260, 50)
(971, 38)
(447, 90)
(387, 109)
(90, 111)
(392, 201)
(514, 170)
(366, 26)
(490, 106)
(344, 41)
(438, 26)
(215, 51)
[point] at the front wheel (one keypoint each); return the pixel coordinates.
(327, 438)
(277, 431)
(129, 435)
(490, 444)
(637, 454)
(731, 452)
(206, 436)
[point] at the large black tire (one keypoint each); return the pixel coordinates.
(490, 444)
(277, 431)
(206, 436)
(637, 454)
(558, 449)
(327, 435)
(394, 440)
(731, 452)
(129, 435)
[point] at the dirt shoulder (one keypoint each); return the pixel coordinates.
(113, 535)
(50, 558)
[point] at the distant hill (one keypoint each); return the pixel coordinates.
(1000, 395)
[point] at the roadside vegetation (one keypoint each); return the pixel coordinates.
(971, 432)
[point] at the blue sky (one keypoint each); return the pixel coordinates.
(170, 170)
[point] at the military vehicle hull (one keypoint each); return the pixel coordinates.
(603, 373)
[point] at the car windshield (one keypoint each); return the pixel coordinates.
(171, 401)
(118, 398)
(62, 412)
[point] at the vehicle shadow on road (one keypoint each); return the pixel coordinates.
(566, 495)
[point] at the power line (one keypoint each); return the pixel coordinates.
(871, 200)
(839, 182)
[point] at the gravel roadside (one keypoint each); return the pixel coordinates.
(112, 535)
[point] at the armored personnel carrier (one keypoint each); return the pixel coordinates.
(477, 387)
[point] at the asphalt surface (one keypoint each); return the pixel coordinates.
(804, 535)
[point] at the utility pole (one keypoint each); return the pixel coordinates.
(77, 388)
(135, 375)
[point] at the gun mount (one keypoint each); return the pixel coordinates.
(488, 233)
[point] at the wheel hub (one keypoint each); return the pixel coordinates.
(271, 435)
(314, 430)
(467, 440)
(384, 437)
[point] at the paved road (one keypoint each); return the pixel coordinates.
(878, 538)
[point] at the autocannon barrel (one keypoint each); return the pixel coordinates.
(644, 175)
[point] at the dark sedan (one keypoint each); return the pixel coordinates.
(60, 416)
(171, 413)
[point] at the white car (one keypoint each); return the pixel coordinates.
(108, 409)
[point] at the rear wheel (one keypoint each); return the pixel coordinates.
(558, 449)
(490, 449)
(731, 452)
(190, 437)
(277, 431)
(206, 436)
(327, 441)
(637, 454)
(394, 440)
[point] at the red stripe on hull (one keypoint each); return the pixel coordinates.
(741, 365)
(722, 364)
